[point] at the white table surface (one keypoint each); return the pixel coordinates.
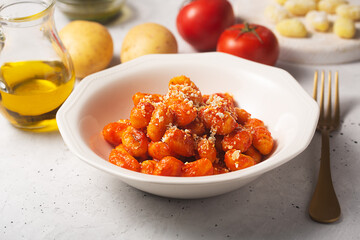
(48, 193)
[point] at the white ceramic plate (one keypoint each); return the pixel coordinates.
(317, 48)
(268, 93)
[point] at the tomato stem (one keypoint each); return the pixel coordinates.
(247, 29)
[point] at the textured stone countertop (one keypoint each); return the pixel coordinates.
(46, 192)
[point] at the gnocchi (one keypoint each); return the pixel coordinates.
(186, 134)
(292, 27)
(120, 157)
(318, 20)
(235, 160)
(300, 7)
(112, 132)
(206, 148)
(303, 18)
(160, 119)
(344, 27)
(201, 167)
(349, 11)
(135, 142)
(281, 2)
(276, 13)
(330, 6)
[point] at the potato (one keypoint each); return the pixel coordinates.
(147, 38)
(89, 44)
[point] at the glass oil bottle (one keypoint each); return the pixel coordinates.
(36, 72)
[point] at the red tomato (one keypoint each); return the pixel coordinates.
(250, 41)
(201, 22)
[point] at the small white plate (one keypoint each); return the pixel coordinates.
(316, 48)
(268, 93)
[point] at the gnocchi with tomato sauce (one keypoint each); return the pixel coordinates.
(184, 133)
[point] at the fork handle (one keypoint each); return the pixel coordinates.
(324, 206)
(325, 169)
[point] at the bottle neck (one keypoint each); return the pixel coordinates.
(15, 13)
(25, 37)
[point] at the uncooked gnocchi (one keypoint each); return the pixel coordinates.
(344, 27)
(298, 18)
(349, 11)
(318, 20)
(276, 13)
(330, 6)
(281, 2)
(292, 27)
(300, 7)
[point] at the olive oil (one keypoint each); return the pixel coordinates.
(32, 91)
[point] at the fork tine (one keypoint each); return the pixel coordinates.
(328, 111)
(337, 99)
(315, 85)
(321, 117)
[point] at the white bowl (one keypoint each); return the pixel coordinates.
(268, 93)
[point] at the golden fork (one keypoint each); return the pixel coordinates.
(324, 205)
